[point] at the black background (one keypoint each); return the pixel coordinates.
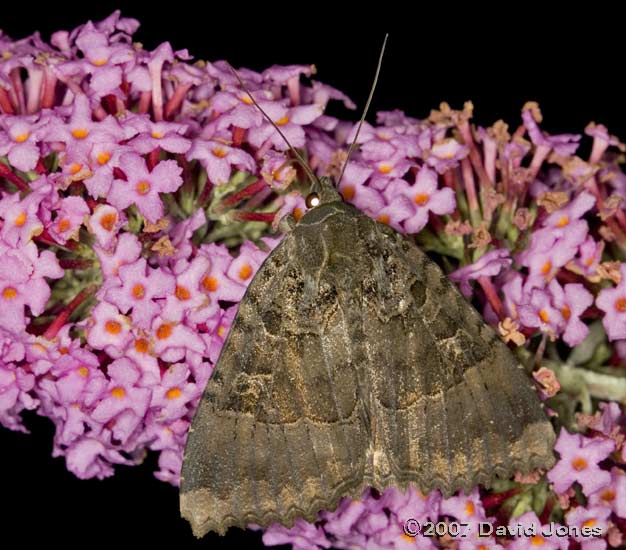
(571, 63)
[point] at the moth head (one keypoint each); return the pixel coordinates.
(323, 191)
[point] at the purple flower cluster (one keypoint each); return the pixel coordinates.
(129, 178)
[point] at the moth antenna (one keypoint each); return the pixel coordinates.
(298, 156)
(367, 106)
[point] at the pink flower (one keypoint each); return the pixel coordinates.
(15, 387)
(104, 223)
(124, 400)
(174, 340)
(19, 138)
(165, 135)
(127, 250)
(142, 187)
(613, 302)
(108, 329)
(22, 283)
(612, 495)
(189, 297)
(172, 396)
(216, 282)
(596, 516)
(532, 530)
(489, 264)
(572, 300)
(354, 189)
(139, 288)
(425, 198)
(89, 457)
(20, 218)
(70, 217)
(579, 458)
(218, 157)
(289, 120)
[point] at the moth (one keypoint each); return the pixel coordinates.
(353, 362)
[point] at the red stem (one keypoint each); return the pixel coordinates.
(68, 263)
(60, 321)
(255, 216)
(5, 102)
(174, 102)
(45, 238)
(153, 158)
(251, 189)
(492, 296)
(496, 499)
(238, 135)
(6, 172)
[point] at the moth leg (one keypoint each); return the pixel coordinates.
(287, 223)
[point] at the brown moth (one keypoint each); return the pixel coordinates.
(352, 362)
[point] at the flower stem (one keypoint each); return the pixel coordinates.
(255, 216)
(247, 191)
(60, 321)
(7, 173)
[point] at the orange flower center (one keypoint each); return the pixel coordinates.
(100, 62)
(546, 268)
(141, 345)
(589, 523)
(347, 193)
(113, 327)
(245, 272)
(543, 315)
(182, 293)
(64, 225)
(218, 152)
(118, 392)
(143, 187)
(282, 121)
(620, 304)
(563, 221)
(608, 495)
(537, 540)
(108, 221)
(173, 393)
(220, 331)
(22, 137)
(385, 168)
(103, 158)
(9, 293)
(20, 220)
(383, 218)
(139, 291)
(421, 199)
(567, 313)
(470, 508)
(210, 283)
(164, 331)
(83, 371)
(157, 135)
(579, 464)
(80, 133)
(75, 168)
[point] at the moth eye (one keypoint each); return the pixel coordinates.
(312, 200)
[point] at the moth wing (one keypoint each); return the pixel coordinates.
(451, 404)
(280, 430)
